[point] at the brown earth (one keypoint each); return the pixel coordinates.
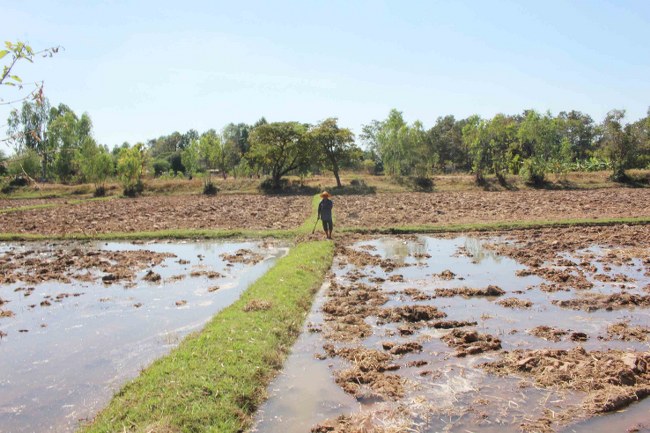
(611, 380)
(161, 213)
(38, 265)
(384, 210)
(469, 342)
(625, 332)
(515, 303)
(470, 291)
(548, 333)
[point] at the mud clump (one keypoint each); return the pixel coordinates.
(467, 291)
(449, 324)
(612, 379)
(625, 332)
(367, 374)
(471, 342)
(411, 313)
(208, 274)
(152, 277)
(6, 313)
(244, 256)
(548, 333)
(400, 349)
(363, 258)
(515, 303)
(605, 302)
(445, 275)
(347, 308)
(416, 294)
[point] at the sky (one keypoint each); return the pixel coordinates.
(142, 69)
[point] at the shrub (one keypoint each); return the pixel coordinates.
(534, 172)
(100, 191)
(160, 167)
(133, 190)
(267, 185)
(209, 188)
(421, 183)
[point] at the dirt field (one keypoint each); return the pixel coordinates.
(384, 210)
(160, 213)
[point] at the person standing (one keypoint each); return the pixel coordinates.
(325, 213)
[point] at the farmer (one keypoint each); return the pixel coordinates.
(325, 213)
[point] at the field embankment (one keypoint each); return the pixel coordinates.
(215, 380)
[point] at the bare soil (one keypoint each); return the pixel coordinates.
(162, 213)
(40, 264)
(612, 379)
(384, 210)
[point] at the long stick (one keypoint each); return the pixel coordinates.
(314, 229)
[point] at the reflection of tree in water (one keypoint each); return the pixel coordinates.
(400, 249)
(475, 248)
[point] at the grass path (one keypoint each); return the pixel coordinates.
(217, 378)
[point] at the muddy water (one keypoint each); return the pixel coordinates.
(61, 363)
(448, 393)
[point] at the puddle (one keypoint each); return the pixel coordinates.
(442, 392)
(78, 350)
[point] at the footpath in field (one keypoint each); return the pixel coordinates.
(527, 331)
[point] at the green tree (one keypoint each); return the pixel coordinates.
(130, 168)
(95, 165)
(618, 142)
(191, 158)
(336, 144)
(67, 133)
(28, 130)
(216, 153)
(475, 139)
(279, 148)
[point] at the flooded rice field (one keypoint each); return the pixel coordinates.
(533, 331)
(77, 320)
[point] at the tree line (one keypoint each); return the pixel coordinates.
(52, 143)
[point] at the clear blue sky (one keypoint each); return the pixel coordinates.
(149, 69)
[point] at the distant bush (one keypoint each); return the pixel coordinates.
(160, 167)
(534, 172)
(209, 188)
(100, 191)
(422, 183)
(134, 190)
(268, 186)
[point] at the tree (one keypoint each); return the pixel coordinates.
(191, 159)
(476, 141)
(67, 134)
(130, 167)
(278, 148)
(336, 144)
(618, 142)
(95, 165)
(28, 130)
(21, 51)
(236, 137)
(217, 154)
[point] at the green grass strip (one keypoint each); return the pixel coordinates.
(494, 226)
(216, 379)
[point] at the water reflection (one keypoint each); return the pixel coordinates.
(79, 351)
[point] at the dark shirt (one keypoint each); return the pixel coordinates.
(325, 209)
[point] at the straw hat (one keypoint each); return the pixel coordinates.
(325, 194)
